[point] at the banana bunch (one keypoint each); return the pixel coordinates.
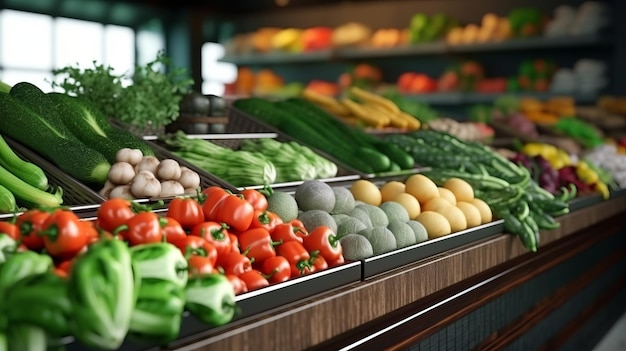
(368, 108)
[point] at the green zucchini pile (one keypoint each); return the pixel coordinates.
(65, 130)
(506, 187)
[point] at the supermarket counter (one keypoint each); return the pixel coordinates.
(487, 295)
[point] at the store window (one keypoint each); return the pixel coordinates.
(215, 74)
(32, 45)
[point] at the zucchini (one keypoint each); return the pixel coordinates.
(28, 193)
(52, 140)
(89, 126)
(7, 200)
(26, 171)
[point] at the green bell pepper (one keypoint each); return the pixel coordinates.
(21, 265)
(41, 300)
(158, 312)
(7, 247)
(160, 261)
(103, 291)
(211, 298)
(26, 337)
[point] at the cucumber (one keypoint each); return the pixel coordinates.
(52, 140)
(396, 154)
(27, 171)
(377, 160)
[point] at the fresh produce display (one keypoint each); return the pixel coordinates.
(135, 176)
(425, 28)
(608, 158)
(255, 161)
(95, 287)
(590, 18)
(555, 171)
(314, 127)
(416, 210)
(506, 187)
(365, 108)
(66, 131)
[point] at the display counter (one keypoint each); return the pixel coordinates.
(490, 294)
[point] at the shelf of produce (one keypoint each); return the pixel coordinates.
(325, 316)
(438, 47)
(458, 98)
(421, 49)
(278, 58)
(534, 43)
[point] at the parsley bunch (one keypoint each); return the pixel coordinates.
(152, 100)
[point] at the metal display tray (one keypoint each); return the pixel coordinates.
(233, 141)
(77, 196)
(401, 257)
(252, 303)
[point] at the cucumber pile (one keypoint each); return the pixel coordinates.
(506, 187)
(316, 128)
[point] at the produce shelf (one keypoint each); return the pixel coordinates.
(422, 49)
(456, 98)
(586, 201)
(76, 195)
(384, 263)
(278, 58)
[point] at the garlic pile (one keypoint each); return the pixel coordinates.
(135, 176)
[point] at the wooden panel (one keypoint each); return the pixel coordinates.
(315, 320)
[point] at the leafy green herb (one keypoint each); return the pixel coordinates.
(152, 100)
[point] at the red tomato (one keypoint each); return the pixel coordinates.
(173, 231)
(323, 240)
(255, 198)
(404, 81)
(63, 235)
(297, 255)
(144, 227)
(60, 273)
(238, 285)
(234, 243)
(214, 233)
(265, 219)
(277, 268)
(200, 265)
(213, 196)
(196, 246)
(234, 263)
(286, 232)
(10, 229)
(113, 213)
(234, 211)
(30, 223)
(187, 211)
(257, 244)
(254, 279)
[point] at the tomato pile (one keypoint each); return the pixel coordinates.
(217, 232)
